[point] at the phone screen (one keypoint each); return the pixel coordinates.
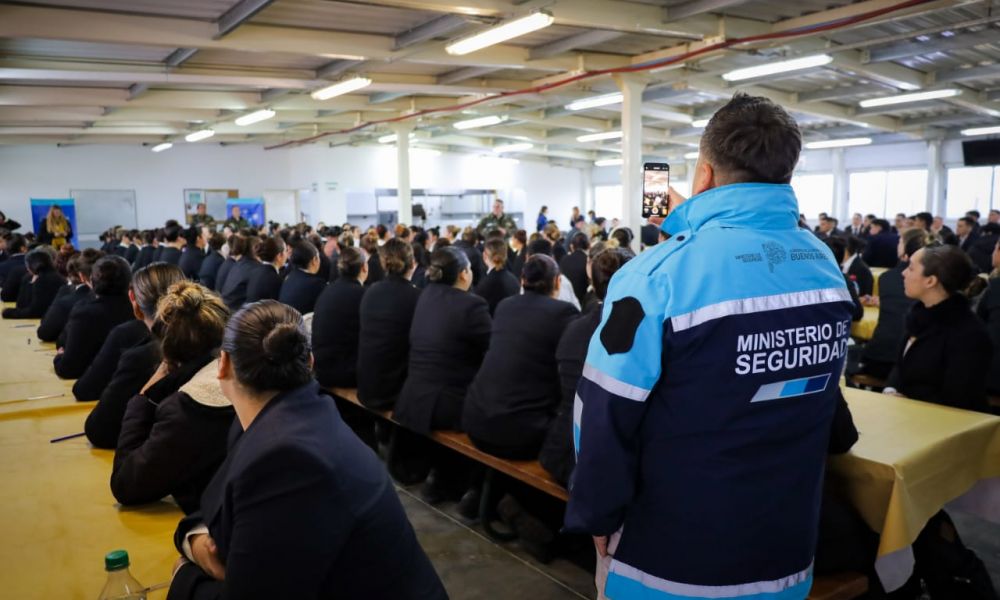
(655, 190)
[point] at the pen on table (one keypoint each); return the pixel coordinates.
(156, 586)
(66, 437)
(45, 397)
(20, 326)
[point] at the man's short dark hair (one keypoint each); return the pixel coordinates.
(926, 217)
(974, 214)
(838, 246)
(17, 243)
(884, 224)
(39, 261)
(540, 246)
(968, 221)
(752, 139)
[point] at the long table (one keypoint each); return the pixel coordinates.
(912, 459)
(865, 328)
(58, 516)
(26, 376)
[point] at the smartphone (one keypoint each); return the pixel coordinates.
(655, 190)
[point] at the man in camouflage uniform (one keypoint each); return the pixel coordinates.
(497, 220)
(202, 218)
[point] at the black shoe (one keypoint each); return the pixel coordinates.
(535, 537)
(468, 506)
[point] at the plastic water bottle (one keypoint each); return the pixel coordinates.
(120, 585)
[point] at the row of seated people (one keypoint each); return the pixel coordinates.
(937, 342)
(462, 360)
(178, 410)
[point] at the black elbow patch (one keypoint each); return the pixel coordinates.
(618, 333)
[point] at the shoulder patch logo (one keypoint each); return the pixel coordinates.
(618, 334)
(775, 253)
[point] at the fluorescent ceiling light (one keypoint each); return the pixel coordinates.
(981, 130)
(197, 136)
(914, 97)
(595, 101)
(339, 89)
(391, 138)
(480, 122)
(255, 117)
(842, 143)
(608, 162)
(597, 137)
(513, 148)
(691, 156)
(162, 147)
(699, 123)
(500, 33)
(784, 66)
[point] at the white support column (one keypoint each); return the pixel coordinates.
(936, 179)
(403, 192)
(631, 87)
(840, 187)
(587, 183)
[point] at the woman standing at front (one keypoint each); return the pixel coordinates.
(55, 230)
(300, 508)
(946, 352)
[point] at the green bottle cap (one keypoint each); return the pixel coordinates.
(115, 560)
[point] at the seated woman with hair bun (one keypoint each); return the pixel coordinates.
(448, 339)
(946, 353)
(135, 364)
(516, 392)
(173, 435)
(303, 285)
(265, 282)
(301, 508)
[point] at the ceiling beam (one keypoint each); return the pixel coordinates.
(939, 44)
(464, 73)
(697, 7)
(837, 93)
(239, 14)
(437, 27)
(334, 68)
(382, 97)
(178, 56)
(857, 8)
(134, 91)
(989, 71)
(579, 40)
(897, 76)
(154, 77)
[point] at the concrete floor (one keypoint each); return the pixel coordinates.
(474, 567)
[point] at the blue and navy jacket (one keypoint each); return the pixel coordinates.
(702, 419)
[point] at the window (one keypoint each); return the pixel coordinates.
(885, 193)
(608, 201)
(971, 188)
(814, 193)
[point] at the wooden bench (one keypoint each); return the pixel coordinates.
(866, 382)
(842, 586)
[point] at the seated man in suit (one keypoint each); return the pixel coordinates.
(57, 316)
(880, 250)
(574, 264)
(499, 282)
(855, 268)
(38, 287)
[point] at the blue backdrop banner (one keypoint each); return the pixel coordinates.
(251, 209)
(40, 210)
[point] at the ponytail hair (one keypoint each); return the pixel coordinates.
(539, 274)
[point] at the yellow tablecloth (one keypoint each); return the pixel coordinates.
(26, 369)
(58, 516)
(911, 460)
(876, 272)
(865, 328)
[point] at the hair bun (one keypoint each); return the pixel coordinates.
(434, 273)
(284, 343)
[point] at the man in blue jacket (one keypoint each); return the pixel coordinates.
(703, 415)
